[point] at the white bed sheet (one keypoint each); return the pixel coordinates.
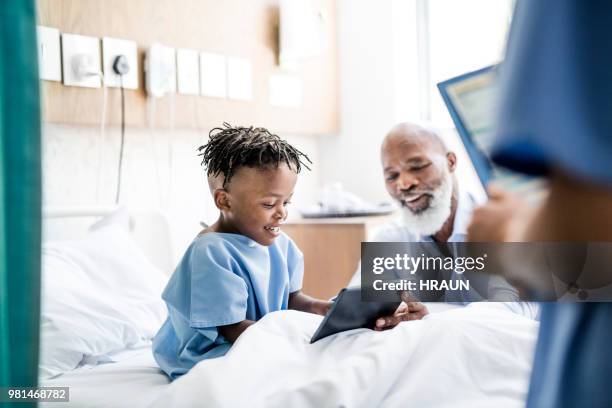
(131, 378)
(477, 356)
(135, 381)
(472, 356)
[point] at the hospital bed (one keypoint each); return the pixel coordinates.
(124, 377)
(478, 355)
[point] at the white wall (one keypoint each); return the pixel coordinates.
(380, 85)
(160, 170)
(373, 74)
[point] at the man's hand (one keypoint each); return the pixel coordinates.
(502, 219)
(408, 310)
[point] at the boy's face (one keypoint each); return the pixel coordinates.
(256, 201)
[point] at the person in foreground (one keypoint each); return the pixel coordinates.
(569, 141)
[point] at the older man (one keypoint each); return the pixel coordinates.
(419, 173)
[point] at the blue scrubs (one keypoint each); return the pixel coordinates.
(556, 109)
(222, 279)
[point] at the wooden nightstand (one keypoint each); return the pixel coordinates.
(332, 248)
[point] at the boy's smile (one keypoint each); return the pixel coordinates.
(254, 203)
(274, 230)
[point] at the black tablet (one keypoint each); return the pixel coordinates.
(350, 312)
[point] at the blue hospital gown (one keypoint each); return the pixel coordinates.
(222, 279)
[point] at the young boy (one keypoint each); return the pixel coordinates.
(241, 267)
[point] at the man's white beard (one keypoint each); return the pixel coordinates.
(431, 220)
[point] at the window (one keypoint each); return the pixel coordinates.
(457, 37)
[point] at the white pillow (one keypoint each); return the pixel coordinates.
(120, 216)
(99, 295)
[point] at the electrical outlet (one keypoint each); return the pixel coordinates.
(111, 49)
(81, 60)
(49, 55)
(188, 72)
(239, 79)
(213, 75)
(160, 70)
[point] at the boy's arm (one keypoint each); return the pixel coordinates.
(305, 303)
(232, 331)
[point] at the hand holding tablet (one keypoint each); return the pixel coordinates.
(471, 100)
(349, 312)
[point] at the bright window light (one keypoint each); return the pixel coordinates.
(461, 36)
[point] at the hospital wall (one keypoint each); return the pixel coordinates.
(161, 170)
(380, 85)
(378, 80)
(370, 95)
(244, 31)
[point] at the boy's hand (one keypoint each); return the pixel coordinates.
(231, 332)
(321, 307)
(305, 303)
(408, 310)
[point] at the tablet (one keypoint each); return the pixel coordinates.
(350, 312)
(471, 100)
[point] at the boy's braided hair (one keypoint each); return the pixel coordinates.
(229, 148)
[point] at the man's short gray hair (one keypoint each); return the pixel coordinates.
(418, 129)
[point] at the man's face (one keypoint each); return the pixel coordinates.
(258, 200)
(414, 167)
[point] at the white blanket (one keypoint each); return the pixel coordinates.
(475, 356)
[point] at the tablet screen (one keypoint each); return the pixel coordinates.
(471, 100)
